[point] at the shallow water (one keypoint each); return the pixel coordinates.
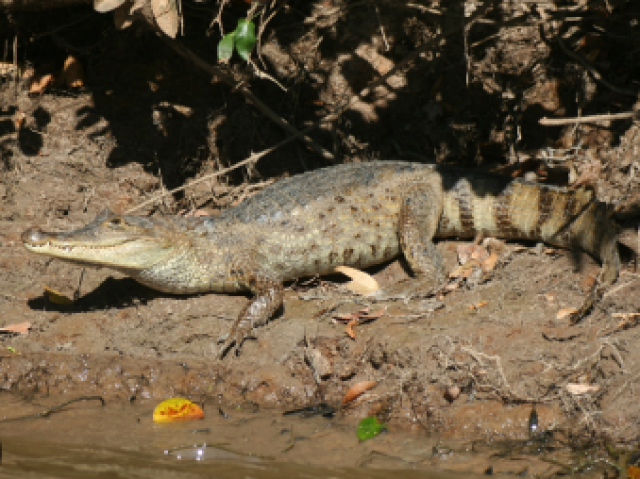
(88, 440)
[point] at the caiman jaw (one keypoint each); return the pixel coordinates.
(118, 252)
(38, 241)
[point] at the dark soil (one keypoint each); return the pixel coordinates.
(148, 120)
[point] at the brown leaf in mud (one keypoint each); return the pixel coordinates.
(565, 313)
(465, 270)
(349, 329)
(20, 328)
(196, 212)
(633, 472)
(362, 283)
(579, 389)
(489, 263)
(362, 316)
(19, 119)
(479, 305)
(628, 320)
(357, 390)
(346, 317)
(166, 15)
(72, 73)
(494, 245)
(467, 252)
(40, 83)
(104, 6)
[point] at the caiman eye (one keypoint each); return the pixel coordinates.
(116, 222)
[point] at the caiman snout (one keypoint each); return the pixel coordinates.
(34, 236)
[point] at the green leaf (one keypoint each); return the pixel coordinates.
(245, 38)
(369, 427)
(225, 47)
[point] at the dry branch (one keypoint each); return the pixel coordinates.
(589, 119)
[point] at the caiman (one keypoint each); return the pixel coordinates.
(358, 215)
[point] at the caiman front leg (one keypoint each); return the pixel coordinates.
(268, 297)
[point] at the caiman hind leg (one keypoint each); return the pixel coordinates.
(610, 257)
(268, 297)
(419, 217)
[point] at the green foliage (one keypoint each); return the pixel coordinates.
(369, 427)
(243, 38)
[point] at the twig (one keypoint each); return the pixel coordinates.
(49, 411)
(590, 118)
(613, 291)
(477, 354)
(595, 73)
(218, 18)
(384, 36)
(182, 50)
(261, 28)
(265, 76)
(252, 159)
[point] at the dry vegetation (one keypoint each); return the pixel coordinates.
(157, 126)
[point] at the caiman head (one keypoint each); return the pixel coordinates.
(119, 242)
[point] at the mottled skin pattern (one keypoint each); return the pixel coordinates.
(358, 214)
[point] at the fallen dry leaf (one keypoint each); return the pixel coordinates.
(72, 73)
(362, 283)
(464, 270)
(40, 83)
(633, 472)
(628, 320)
(104, 6)
(479, 305)
(166, 15)
(625, 315)
(349, 329)
(467, 252)
(489, 263)
(578, 389)
(19, 119)
(565, 313)
(196, 212)
(494, 245)
(450, 287)
(358, 317)
(56, 297)
(346, 317)
(357, 390)
(363, 316)
(20, 328)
